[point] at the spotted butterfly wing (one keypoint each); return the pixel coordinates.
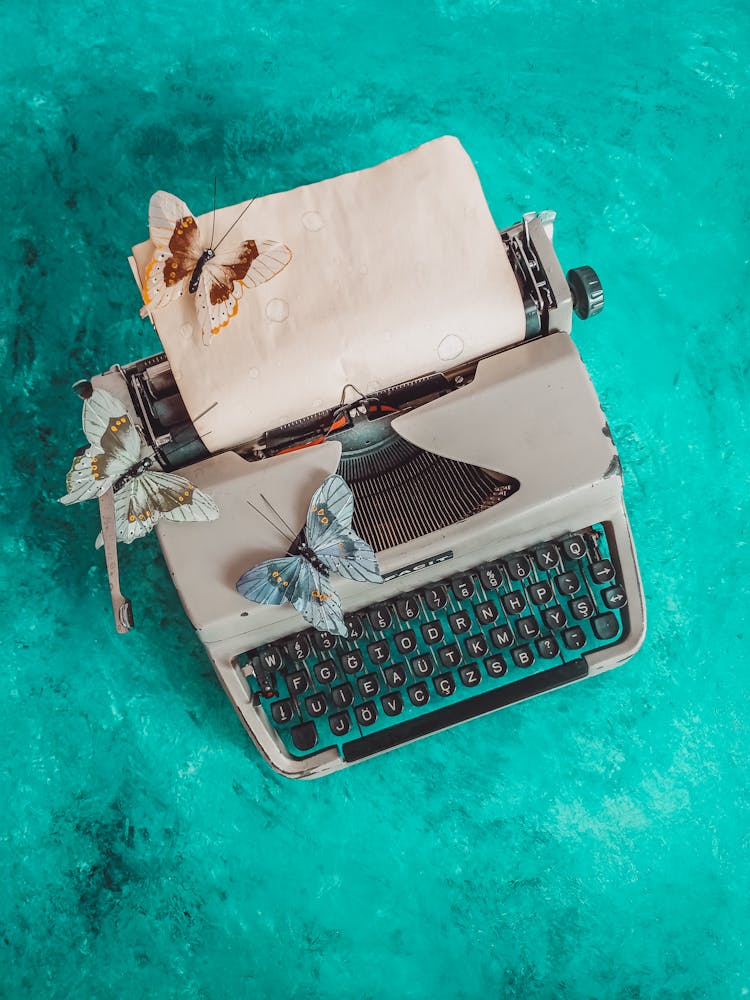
(295, 580)
(150, 496)
(229, 272)
(184, 262)
(114, 446)
(329, 534)
(177, 249)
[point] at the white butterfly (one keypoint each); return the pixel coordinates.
(142, 494)
(325, 545)
(184, 261)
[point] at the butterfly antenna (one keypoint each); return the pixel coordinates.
(233, 224)
(268, 519)
(277, 514)
(213, 220)
(207, 410)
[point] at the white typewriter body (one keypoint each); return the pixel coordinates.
(526, 410)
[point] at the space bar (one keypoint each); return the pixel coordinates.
(433, 722)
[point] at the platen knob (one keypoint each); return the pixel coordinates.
(586, 289)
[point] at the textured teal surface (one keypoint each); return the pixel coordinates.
(591, 844)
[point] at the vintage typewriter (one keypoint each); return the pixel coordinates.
(426, 357)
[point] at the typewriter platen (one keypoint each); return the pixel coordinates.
(492, 493)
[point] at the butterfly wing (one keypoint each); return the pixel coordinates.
(115, 446)
(269, 582)
(329, 533)
(234, 268)
(317, 601)
(140, 503)
(177, 242)
(295, 580)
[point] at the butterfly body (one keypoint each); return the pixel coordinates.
(142, 494)
(132, 473)
(300, 547)
(216, 275)
(325, 545)
(195, 277)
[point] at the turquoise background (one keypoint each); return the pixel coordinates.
(591, 844)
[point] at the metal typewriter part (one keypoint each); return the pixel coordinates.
(493, 495)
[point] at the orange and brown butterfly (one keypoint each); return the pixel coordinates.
(215, 274)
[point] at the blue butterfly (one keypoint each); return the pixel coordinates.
(325, 545)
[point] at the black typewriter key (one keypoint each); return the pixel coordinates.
(602, 571)
(501, 636)
(432, 632)
(395, 676)
(340, 723)
(450, 656)
(527, 628)
(380, 618)
(547, 647)
(271, 658)
(355, 627)
(519, 567)
(422, 666)
(407, 608)
(305, 736)
(495, 666)
(555, 618)
(343, 695)
(470, 675)
(486, 613)
(541, 593)
(491, 577)
(315, 705)
(368, 685)
(436, 598)
(325, 671)
(574, 638)
(475, 646)
(298, 648)
(366, 713)
(297, 682)
(406, 642)
(522, 656)
(514, 603)
(574, 547)
(460, 622)
(582, 607)
(393, 703)
(546, 556)
(266, 680)
(445, 684)
(614, 597)
(568, 584)
(379, 652)
(418, 694)
(325, 641)
(282, 711)
(353, 661)
(605, 626)
(462, 587)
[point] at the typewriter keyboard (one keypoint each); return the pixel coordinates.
(463, 646)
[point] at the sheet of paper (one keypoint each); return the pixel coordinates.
(398, 271)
